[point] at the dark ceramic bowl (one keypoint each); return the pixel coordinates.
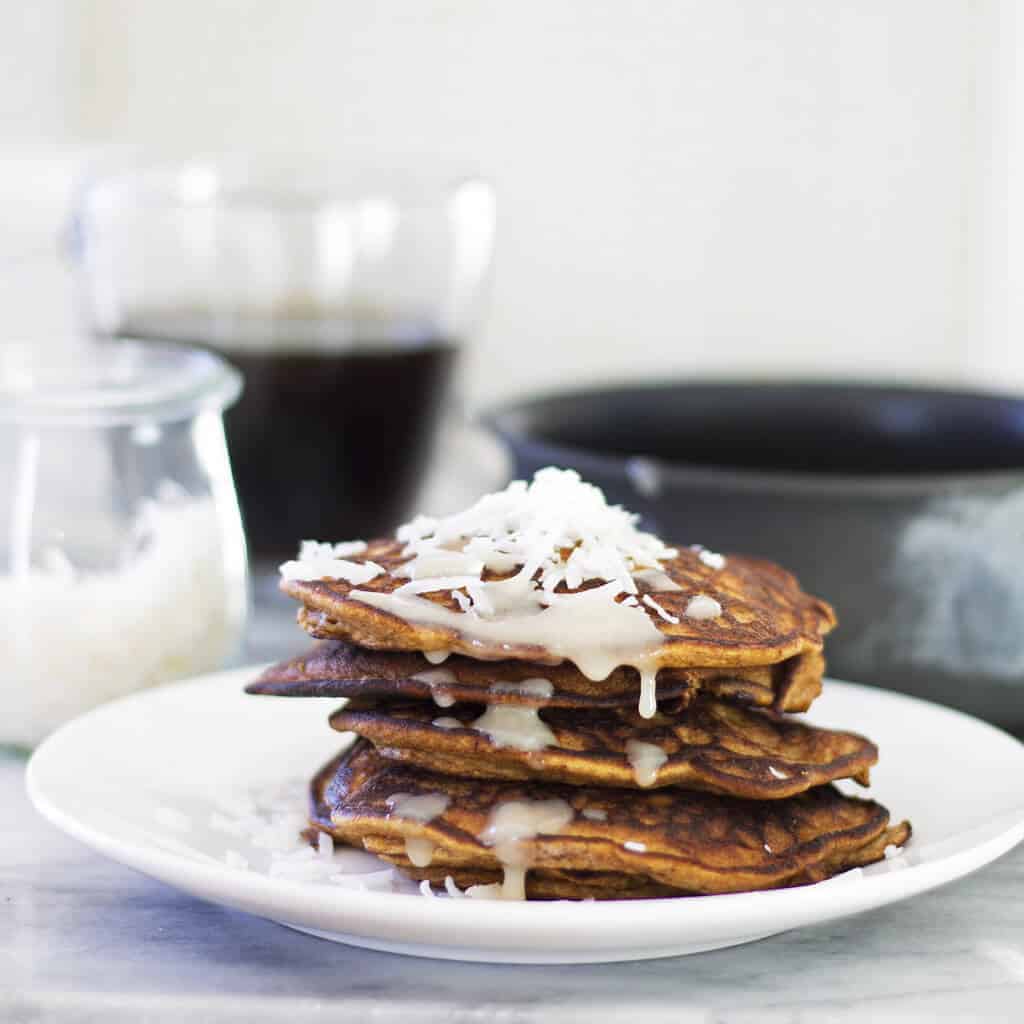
(904, 507)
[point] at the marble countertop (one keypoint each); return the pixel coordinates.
(84, 940)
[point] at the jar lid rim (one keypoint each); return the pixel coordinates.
(112, 383)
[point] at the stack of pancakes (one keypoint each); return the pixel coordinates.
(499, 766)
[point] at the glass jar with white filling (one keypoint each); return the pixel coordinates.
(122, 554)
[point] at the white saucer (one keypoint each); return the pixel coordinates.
(128, 778)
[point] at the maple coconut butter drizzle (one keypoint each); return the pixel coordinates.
(557, 535)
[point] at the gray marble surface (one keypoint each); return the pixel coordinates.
(85, 941)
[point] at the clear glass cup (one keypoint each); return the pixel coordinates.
(122, 556)
(344, 298)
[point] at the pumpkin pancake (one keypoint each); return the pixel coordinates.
(709, 745)
(337, 669)
(764, 617)
(601, 842)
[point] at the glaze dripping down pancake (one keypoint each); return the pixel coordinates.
(611, 843)
(709, 745)
(765, 617)
(338, 669)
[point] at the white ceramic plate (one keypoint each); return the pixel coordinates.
(120, 778)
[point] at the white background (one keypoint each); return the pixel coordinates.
(737, 186)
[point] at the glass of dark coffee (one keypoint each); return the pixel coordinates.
(344, 298)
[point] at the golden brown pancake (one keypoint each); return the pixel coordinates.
(710, 746)
(679, 842)
(766, 618)
(337, 669)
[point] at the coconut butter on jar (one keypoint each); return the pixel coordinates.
(122, 554)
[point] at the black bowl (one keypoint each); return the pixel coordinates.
(902, 506)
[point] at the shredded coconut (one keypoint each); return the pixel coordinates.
(558, 526)
(261, 830)
(318, 561)
(667, 616)
(452, 889)
(712, 559)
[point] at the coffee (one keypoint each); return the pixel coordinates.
(331, 436)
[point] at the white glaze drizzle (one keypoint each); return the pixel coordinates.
(447, 723)
(434, 657)
(561, 535)
(433, 676)
(645, 759)
(418, 807)
(419, 851)
(536, 687)
(511, 823)
(648, 692)
(594, 814)
(512, 726)
(558, 532)
(492, 891)
(634, 847)
(587, 628)
(436, 678)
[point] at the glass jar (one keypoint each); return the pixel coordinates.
(122, 555)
